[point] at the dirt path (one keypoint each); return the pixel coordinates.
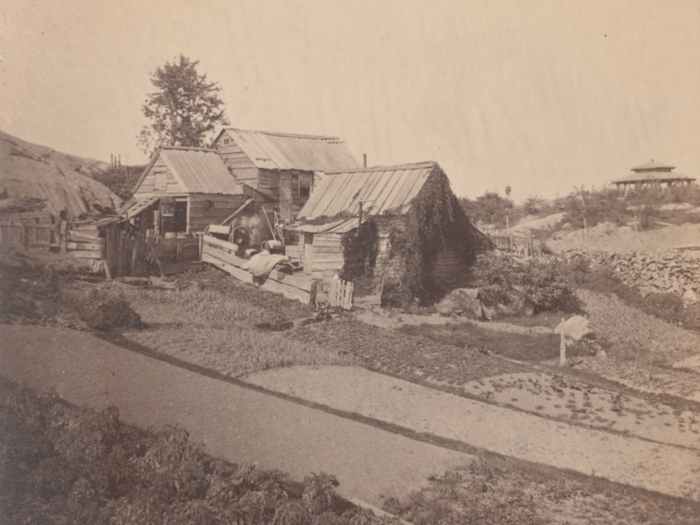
(654, 466)
(234, 422)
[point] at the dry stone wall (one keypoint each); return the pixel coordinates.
(668, 272)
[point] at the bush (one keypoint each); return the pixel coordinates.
(589, 208)
(548, 286)
(65, 465)
(104, 312)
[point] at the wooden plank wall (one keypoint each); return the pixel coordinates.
(34, 230)
(222, 254)
(218, 207)
(148, 184)
(232, 155)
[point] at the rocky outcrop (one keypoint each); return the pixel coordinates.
(668, 272)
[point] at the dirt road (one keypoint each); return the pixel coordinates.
(234, 422)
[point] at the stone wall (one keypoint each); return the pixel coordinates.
(668, 272)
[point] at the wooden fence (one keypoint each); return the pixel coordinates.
(517, 242)
(32, 230)
(105, 245)
(222, 254)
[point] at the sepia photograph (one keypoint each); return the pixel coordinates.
(309, 262)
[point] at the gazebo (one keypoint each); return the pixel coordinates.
(652, 174)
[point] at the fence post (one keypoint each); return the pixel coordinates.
(25, 233)
(63, 236)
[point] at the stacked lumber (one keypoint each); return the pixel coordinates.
(223, 254)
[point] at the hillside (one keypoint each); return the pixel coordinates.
(607, 237)
(54, 181)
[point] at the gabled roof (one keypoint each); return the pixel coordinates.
(653, 166)
(282, 151)
(198, 170)
(380, 189)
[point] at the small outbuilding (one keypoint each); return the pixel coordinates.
(397, 228)
(285, 167)
(652, 174)
(183, 191)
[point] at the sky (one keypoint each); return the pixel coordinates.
(544, 96)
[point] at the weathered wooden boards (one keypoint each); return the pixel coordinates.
(222, 254)
(340, 294)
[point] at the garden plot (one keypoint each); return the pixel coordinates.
(561, 398)
(680, 383)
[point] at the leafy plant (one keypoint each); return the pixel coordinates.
(548, 286)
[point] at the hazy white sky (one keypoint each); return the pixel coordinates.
(541, 95)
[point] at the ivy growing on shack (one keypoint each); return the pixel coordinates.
(435, 221)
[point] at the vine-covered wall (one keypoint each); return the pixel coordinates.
(420, 254)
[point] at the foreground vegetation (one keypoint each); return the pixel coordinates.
(64, 465)
(210, 319)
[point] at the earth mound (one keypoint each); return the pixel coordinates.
(51, 181)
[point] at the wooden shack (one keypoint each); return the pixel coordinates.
(405, 216)
(184, 190)
(284, 167)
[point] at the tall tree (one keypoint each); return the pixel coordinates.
(185, 109)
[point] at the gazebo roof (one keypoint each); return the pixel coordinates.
(653, 166)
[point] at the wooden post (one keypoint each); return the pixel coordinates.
(134, 254)
(63, 236)
(562, 351)
(25, 233)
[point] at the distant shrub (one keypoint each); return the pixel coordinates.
(589, 208)
(120, 179)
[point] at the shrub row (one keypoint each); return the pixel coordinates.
(63, 465)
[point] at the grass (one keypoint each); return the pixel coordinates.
(521, 347)
(628, 329)
(501, 491)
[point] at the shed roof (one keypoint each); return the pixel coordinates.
(198, 170)
(285, 151)
(380, 189)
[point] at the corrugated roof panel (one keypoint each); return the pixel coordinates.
(382, 188)
(410, 180)
(200, 171)
(390, 179)
(286, 151)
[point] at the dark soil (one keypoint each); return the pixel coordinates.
(403, 355)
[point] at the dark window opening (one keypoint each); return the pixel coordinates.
(180, 219)
(304, 186)
(295, 184)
